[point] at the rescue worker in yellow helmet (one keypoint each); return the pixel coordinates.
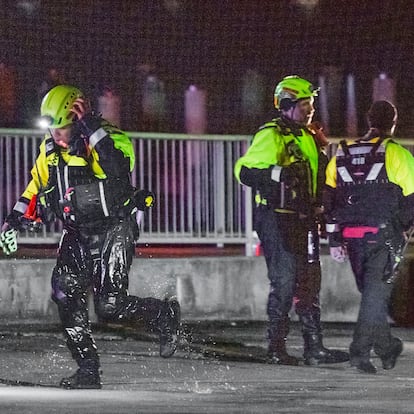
(285, 168)
(82, 176)
(369, 200)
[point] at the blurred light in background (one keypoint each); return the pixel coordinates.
(383, 89)
(28, 7)
(306, 4)
(195, 110)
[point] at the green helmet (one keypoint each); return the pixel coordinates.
(56, 106)
(291, 89)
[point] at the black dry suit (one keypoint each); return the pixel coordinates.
(369, 187)
(91, 194)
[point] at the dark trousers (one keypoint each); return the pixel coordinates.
(370, 259)
(292, 278)
(99, 260)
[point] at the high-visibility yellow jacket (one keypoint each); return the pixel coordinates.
(277, 143)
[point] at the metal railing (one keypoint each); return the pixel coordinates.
(198, 199)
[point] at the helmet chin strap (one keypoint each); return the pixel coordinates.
(303, 123)
(287, 111)
(291, 113)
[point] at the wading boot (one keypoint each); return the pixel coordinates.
(315, 353)
(86, 377)
(390, 358)
(276, 352)
(363, 363)
(169, 323)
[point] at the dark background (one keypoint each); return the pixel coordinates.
(211, 43)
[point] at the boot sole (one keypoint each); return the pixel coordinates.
(82, 387)
(315, 361)
(370, 370)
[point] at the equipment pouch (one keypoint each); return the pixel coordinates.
(294, 186)
(94, 201)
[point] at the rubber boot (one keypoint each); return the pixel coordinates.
(276, 353)
(389, 359)
(360, 351)
(314, 352)
(168, 326)
(363, 363)
(86, 377)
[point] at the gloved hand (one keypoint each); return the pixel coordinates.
(338, 253)
(8, 235)
(8, 239)
(13, 220)
(88, 124)
(144, 199)
(81, 132)
(84, 119)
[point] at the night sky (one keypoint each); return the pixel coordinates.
(211, 43)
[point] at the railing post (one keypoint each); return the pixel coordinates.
(219, 186)
(249, 246)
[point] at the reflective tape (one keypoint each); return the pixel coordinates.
(332, 227)
(346, 177)
(276, 173)
(103, 199)
(374, 172)
(21, 207)
(97, 136)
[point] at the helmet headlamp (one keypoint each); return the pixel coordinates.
(45, 121)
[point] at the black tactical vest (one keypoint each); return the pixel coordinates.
(364, 194)
(75, 194)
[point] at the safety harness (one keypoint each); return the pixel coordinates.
(363, 184)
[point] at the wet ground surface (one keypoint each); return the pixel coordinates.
(219, 368)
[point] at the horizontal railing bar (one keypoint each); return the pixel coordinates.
(181, 136)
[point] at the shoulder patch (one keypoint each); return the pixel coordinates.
(49, 146)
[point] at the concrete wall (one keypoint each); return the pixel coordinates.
(218, 288)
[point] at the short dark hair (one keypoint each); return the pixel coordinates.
(382, 115)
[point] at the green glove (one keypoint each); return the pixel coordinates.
(8, 241)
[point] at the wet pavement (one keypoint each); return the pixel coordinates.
(219, 368)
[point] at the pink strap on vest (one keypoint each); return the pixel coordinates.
(358, 232)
